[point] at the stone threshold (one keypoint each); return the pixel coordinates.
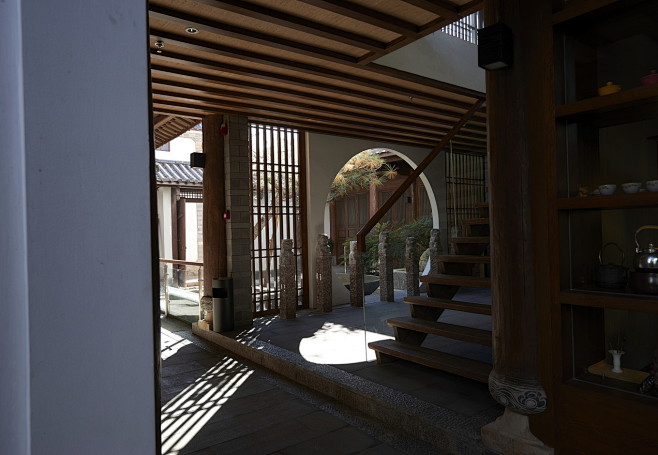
(445, 429)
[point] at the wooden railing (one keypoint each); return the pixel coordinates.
(372, 222)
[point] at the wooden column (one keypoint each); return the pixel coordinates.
(521, 132)
(214, 203)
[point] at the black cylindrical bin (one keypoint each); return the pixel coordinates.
(222, 304)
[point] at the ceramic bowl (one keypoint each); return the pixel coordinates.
(631, 187)
(607, 189)
(652, 185)
(650, 79)
(609, 89)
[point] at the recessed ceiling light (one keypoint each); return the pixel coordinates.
(192, 30)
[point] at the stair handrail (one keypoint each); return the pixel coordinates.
(379, 214)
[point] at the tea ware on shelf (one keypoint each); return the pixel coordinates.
(652, 185)
(631, 187)
(649, 79)
(607, 189)
(609, 88)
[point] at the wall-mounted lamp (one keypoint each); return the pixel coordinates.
(495, 50)
(198, 160)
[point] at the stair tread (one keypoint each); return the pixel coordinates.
(469, 240)
(456, 305)
(457, 280)
(457, 332)
(482, 204)
(476, 221)
(465, 258)
(468, 368)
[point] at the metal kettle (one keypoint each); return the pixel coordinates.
(611, 275)
(646, 259)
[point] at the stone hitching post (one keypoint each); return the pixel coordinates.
(435, 251)
(323, 274)
(411, 265)
(356, 276)
(386, 291)
(288, 305)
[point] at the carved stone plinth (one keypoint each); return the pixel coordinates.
(323, 274)
(288, 276)
(386, 290)
(356, 276)
(411, 265)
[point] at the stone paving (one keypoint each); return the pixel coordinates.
(213, 402)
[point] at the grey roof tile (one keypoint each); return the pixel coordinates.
(177, 172)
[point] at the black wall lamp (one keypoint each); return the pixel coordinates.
(495, 50)
(197, 159)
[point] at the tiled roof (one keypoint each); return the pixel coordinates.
(177, 172)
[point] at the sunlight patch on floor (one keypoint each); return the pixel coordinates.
(335, 344)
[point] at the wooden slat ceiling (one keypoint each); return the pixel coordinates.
(306, 64)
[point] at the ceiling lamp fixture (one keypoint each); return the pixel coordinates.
(159, 44)
(192, 30)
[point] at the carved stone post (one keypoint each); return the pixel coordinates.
(356, 276)
(288, 304)
(323, 274)
(411, 265)
(386, 291)
(435, 251)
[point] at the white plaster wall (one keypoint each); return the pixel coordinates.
(88, 258)
(327, 154)
(164, 222)
(179, 150)
(191, 232)
(442, 57)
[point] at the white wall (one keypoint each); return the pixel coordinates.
(179, 150)
(327, 154)
(442, 57)
(164, 222)
(79, 297)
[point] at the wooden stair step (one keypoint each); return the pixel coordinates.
(443, 329)
(465, 258)
(476, 221)
(457, 280)
(482, 240)
(481, 204)
(461, 366)
(456, 305)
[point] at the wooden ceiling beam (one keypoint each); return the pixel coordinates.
(223, 29)
(166, 71)
(342, 122)
(162, 121)
(438, 7)
(342, 129)
(367, 15)
(300, 24)
(300, 82)
(396, 118)
(187, 42)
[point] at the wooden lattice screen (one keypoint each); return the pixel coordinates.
(466, 186)
(277, 203)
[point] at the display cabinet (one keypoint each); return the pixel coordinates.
(606, 123)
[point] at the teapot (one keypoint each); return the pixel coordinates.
(611, 275)
(646, 259)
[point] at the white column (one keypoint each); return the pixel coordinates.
(75, 234)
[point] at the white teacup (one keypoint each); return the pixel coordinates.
(652, 185)
(630, 187)
(607, 189)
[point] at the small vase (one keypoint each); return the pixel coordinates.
(616, 360)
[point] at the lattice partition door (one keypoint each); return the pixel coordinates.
(278, 212)
(466, 186)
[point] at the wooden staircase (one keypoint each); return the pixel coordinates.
(469, 267)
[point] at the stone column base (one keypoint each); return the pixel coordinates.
(510, 435)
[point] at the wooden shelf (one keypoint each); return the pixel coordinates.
(597, 106)
(604, 370)
(610, 299)
(614, 201)
(579, 9)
